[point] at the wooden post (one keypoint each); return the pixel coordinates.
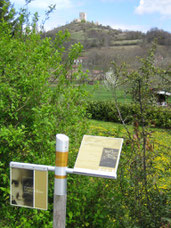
(60, 188)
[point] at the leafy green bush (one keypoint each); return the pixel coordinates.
(34, 109)
(106, 110)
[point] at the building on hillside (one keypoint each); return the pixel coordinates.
(80, 60)
(83, 16)
(162, 98)
(77, 62)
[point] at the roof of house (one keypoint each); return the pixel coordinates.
(164, 93)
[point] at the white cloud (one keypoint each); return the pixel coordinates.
(150, 6)
(40, 4)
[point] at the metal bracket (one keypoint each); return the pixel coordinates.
(36, 167)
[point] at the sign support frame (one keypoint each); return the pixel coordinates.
(60, 178)
(60, 185)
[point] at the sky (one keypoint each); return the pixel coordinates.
(135, 15)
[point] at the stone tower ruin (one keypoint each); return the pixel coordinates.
(83, 16)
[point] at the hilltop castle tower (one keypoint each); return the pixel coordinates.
(83, 16)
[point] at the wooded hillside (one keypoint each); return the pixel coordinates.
(102, 44)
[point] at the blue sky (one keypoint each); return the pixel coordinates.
(139, 15)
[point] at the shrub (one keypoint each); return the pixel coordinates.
(106, 110)
(33, 109)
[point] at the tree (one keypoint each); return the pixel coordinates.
(146, 203)
(163, 37)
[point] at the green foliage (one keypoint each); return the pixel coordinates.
(107, 111)
(32, 111)
(7, 12)
(8, 15)
(97, 202)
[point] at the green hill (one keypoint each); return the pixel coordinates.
(102, 45)
(94, 35)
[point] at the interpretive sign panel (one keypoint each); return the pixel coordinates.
(99, 156)
(29, 188)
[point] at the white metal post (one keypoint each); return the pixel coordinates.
(60, 188)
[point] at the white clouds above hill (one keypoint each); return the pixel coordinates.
(151, 6)
(145, 6)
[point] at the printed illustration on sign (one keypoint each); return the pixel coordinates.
(22, 187)
(109, 157)
(29, 188)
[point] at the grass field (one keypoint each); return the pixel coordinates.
(116, 127)
(160, 138)
(101, 93)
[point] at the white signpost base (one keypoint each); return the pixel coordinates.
(60, 192)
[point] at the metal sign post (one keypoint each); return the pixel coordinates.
(98, 156)
(59, 205)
